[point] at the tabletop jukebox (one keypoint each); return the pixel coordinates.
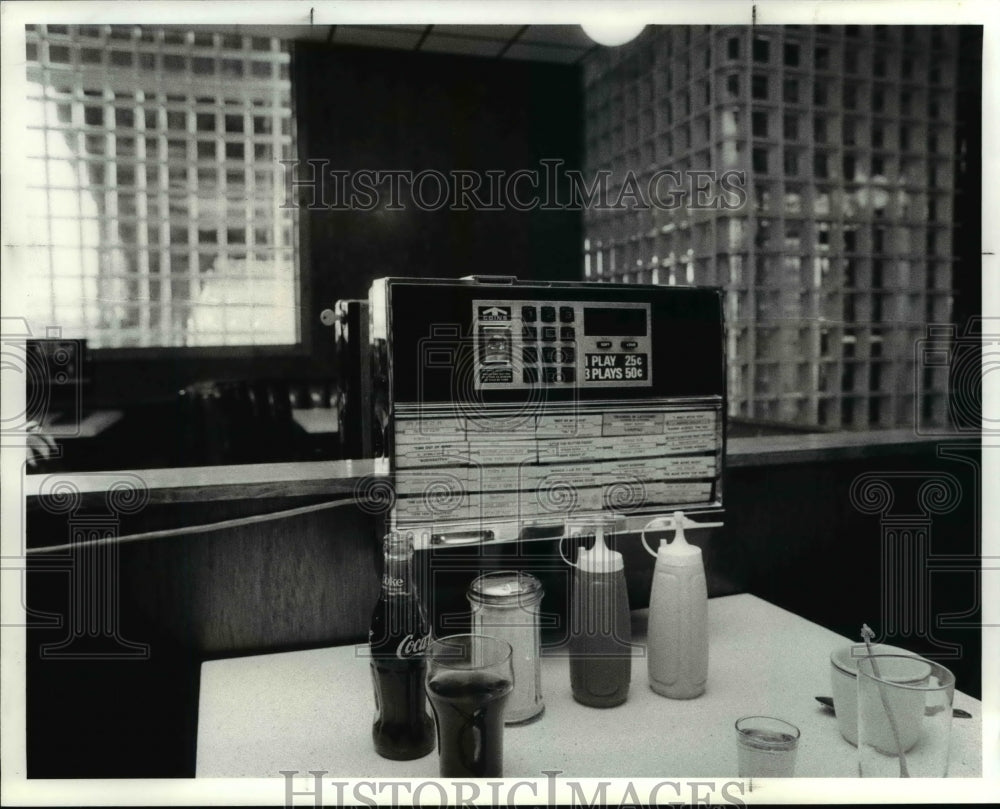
(503, 409)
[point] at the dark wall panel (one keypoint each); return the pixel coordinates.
(122, 702)
(799, 536)
(361, 109)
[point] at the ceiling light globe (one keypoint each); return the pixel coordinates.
(612, 34)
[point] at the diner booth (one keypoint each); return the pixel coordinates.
(231, 518)
(792, 576)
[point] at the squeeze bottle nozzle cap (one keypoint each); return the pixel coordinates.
(680, 551)
(679, 538)
(600, 558)
(678, 522)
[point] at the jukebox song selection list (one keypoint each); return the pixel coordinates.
(503, 466)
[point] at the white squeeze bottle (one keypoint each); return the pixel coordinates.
(677, 646)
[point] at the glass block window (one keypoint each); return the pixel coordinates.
(849, 216)
(156, 195)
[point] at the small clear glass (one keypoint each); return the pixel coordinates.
(766, 747)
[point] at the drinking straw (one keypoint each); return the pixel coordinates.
(867, 634)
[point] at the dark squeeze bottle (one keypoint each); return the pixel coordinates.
(600, 663)
(398, 638)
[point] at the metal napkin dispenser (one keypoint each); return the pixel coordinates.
(505, 409)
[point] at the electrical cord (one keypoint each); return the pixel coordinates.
(193, 529)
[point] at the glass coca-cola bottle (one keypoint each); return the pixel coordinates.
(398, 639)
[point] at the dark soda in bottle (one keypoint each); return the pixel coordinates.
(398, 639)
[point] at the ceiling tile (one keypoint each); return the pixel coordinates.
(419, 28)
(376, 37)
(557, 35)
(543, 53)
(546, 43)
(504, 32)
(463, 45)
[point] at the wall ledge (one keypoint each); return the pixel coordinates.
(838, 446)
(336, 479)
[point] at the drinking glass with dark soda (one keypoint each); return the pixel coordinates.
(469, 678)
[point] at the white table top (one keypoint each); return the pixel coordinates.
(312, 710)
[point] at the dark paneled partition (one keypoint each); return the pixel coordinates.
(447, 122)
(117, 634)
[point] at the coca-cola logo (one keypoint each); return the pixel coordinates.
(391, 581)
(410, 646)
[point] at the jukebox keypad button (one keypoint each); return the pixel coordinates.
(567, 333)
(559, 374)
(604, 345)
(530, 354)
(630, 345)
(529, 375)
(529, 334)
(566, 354)
(548, 354)
(548, 314)
(549, 334)
(566, 314)
(529, 314)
